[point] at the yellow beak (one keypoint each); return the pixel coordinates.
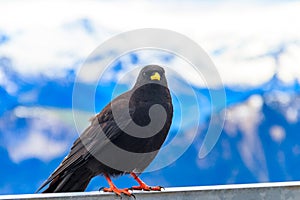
(155, 76)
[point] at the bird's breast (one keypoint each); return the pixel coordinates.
(141, 115)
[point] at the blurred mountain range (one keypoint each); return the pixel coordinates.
(259, 142)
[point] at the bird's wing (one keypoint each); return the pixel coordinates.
(92, 140)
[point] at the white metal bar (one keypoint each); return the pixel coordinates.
(258, 191)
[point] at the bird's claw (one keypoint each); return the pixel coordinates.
(117, 191)
(147, 188)
(133, 196)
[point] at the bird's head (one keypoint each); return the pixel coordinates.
(151, 74)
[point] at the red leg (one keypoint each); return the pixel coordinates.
(142, 185)
(113, 188)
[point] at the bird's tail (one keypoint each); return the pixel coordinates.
(75, 181)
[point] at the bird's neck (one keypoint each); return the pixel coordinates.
(150, 92)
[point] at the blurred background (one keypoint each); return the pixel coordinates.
(255, 46)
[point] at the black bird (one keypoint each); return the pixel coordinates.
(122, 139)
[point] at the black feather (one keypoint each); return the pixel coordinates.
(81, 164)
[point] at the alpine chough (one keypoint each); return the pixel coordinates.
(123, 138)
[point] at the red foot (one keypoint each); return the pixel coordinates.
(113, 188)
(142, 185)
(146, 188)
(117, 191)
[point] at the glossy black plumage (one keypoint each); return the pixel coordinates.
(96, 142)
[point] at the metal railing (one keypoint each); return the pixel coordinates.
(259, 191)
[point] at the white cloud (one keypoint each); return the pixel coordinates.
(290, 63)
(8, 85)
(36, 145)
(44, 38)
(47, 134)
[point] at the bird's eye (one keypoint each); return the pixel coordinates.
(144, 74)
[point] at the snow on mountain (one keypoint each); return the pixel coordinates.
(39, 42)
